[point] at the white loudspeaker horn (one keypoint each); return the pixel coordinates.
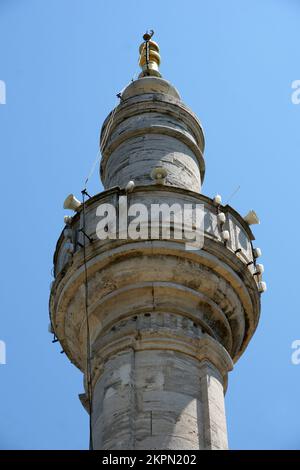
(129, 186)
(260, 268)
(262, 286)
(217, 200)
(159, 174)
(67, 220)
(251, 218)
(72, 203)
(225, 235)
(256, 252)
(221, 218)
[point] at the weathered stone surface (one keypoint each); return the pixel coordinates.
(166, 323)
(152, 128)
(156, 399)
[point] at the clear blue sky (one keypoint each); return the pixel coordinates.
(63, 61)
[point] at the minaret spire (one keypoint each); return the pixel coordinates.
(149, 56)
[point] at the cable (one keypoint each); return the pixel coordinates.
(109, 124)
(88, 338)
(147, 55)
(147, 36)
(104, 140)
(105, 137)
(93, 167)
(98, 157)
(233, 194)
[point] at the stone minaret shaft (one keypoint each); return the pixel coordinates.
(166, 323)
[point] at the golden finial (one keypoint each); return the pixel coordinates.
(149, 56)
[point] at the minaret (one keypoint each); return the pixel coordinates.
(165, 323)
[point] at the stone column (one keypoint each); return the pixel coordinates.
(214, 419)
(163, 390)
